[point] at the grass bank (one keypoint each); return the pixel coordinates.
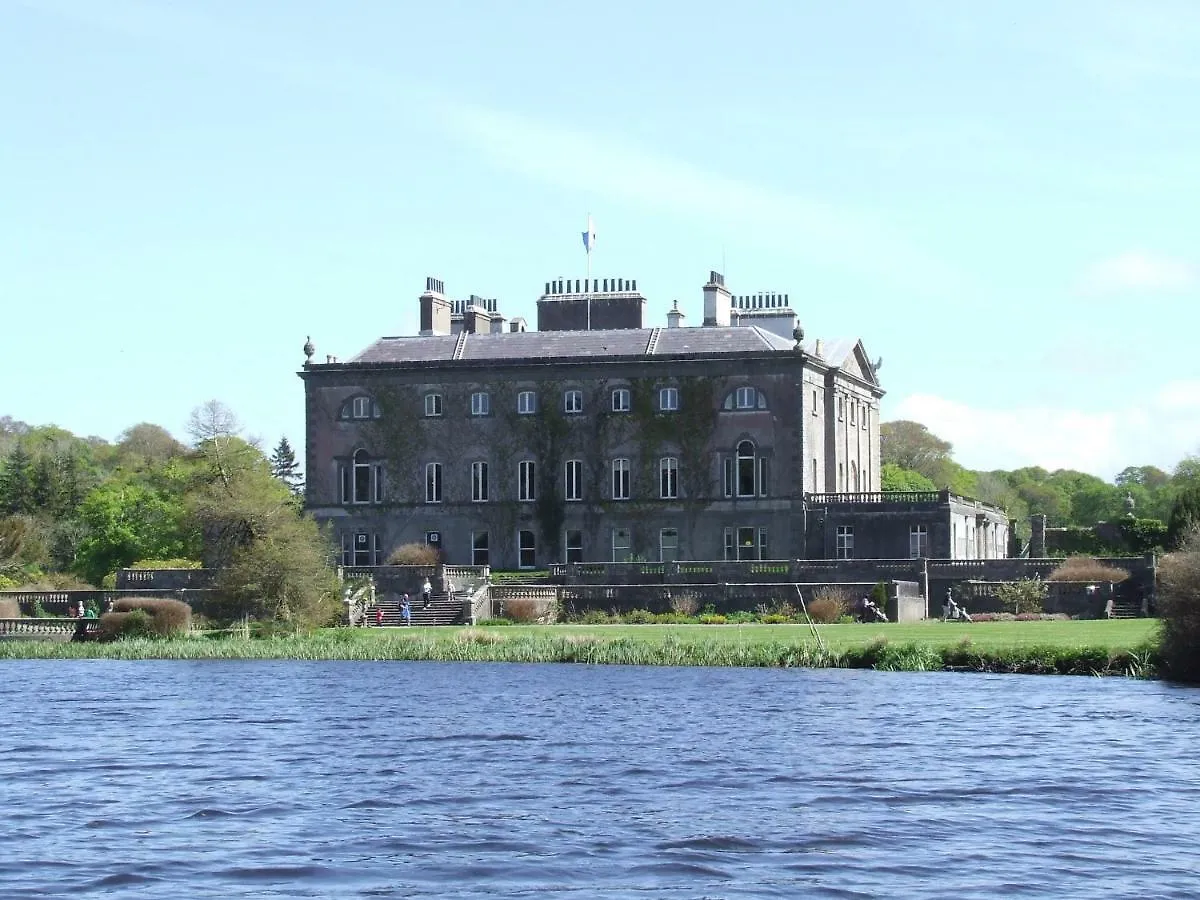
(1068, 648)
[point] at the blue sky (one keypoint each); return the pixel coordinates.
(1000, 198)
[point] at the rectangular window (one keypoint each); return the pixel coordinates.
(362, 482)
(918, 541)
(347, 548)
(668, 399)
(526, 550)
(573, 480)
(621, 400)
(745, 398)
(527, 403)
(362, 548)
(378, 473)
(479, 482)
(853, 413)
(813, 487)
(481, 404)
(433, 404)
(866, 416)
(433, 483)
(845, 542)
(668, 545)
(573, 402)
(668, 478)
(730, 546)
(479, 549)
(762, 476)
(526, 481)
(620, 545)
(377, 543)
(814, 403)
(362, 407)
(347, 491)
(620, 479)
(763, 551)
(728, 466)
(574, 546)
(747, 548)
(840, 408)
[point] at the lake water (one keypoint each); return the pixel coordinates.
(285, 779)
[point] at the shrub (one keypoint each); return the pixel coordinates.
(828, 605)
(527, 611)
(1084, 568)
(711, 619)
(1179, 607)
(177, 563)
(595, 617)
(493, 622)
(414, 555)
(136, 623)
(686, 604)
(168, 617)
(1024, 595)
(638, 617)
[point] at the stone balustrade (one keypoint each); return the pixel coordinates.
(56, 629)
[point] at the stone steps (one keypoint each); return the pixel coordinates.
(443, 609)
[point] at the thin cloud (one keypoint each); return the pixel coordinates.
(1160, 431)
(1138, 271)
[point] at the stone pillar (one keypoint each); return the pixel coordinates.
(1037, 538)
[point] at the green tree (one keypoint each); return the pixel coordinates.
(147, 444)
(910, 445)
(284, 466)
(127, 521)
(1185, 516)
(16, 482)
(894, 478)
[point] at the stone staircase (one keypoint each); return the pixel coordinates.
(443, 609)
(1127, 609)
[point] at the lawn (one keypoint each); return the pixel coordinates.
(1117, 634)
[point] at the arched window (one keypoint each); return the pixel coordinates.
(745, 469)
(745, 398)
(360, 407)
(853, 477)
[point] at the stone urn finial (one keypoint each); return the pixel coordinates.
(309, 350)
(798, 336)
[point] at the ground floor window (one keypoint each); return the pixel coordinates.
(620, 545)
(746, 542)
(918, 541)
(574, 546)
(845, 542)
(361, 548)
(480, 555)
(526, 550)
(668, 544)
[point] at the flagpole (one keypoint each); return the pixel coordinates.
(587, 283)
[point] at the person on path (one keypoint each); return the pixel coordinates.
(378, 616)
(426, 593)
(406, 610)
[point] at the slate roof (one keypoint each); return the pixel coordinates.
(574, 344)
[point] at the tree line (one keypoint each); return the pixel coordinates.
(915, 459)
(74, 510)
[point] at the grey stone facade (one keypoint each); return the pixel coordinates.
(521, 449)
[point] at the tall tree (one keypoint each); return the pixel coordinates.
(1185, 516)
(16, 482)
(147, 443)
(284, 466)
(910, 445)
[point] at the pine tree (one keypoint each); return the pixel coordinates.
(1185, 515)
(284, 466)
(16, 482)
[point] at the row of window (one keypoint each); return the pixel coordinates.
(741, 543)
(855, 416)
(918, 541)
(745, 475)
(621, 399)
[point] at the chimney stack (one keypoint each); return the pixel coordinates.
(675, 317)
(435, 309)
(717, 301)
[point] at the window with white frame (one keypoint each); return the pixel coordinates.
(745, 542)
(745, 470)
(480, 554)
(668, 399)
(573, 401)
(362, 408)
(361, 548)
(573, 480)
(668, 478)
(918, 541)
(526, 549)
(433, 404)
(481, 403)
(433, 482)
(527, 480)
(620, 545)
(573, 546)
(527, 403)
(359, 479)
(845, 542)
(621, 400)
(620, 479)
(668, 544)
(479, 482)
(745, 398)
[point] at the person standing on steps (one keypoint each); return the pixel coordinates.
(378, 616)
(426, 593)
(405, 610)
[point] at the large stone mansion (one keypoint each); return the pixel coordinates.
(595, 438)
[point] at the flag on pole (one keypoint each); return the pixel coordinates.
(589, 236)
